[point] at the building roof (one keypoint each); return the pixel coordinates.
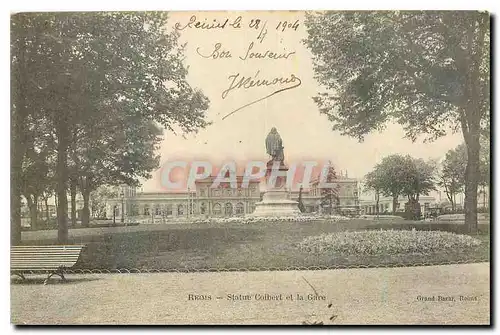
(239, 179)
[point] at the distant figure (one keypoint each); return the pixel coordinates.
(274, 146)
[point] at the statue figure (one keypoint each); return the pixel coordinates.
(274, 146)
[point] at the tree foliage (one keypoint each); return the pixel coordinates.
(452, 175)
(98, 200)
(398, 175)
(426, 70)
(453, 168)
(103, 83)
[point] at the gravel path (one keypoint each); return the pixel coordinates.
(357, 296)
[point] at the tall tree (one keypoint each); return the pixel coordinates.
(419, 180)
(375, 183)
(19, 114)
(330, 195)
(98, 200)
(35, 169)
(426, 70)
(452, 175)
(387, 178)
(78, 69)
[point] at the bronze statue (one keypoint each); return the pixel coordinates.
(274, 146)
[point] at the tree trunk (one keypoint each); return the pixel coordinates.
(449, 194)
(471, 183)
(47, 216)
(33, 208)
(471, 115)
(331, 204)
(34, 212)
(15, 210)
(15, 188)
(394, 204)
(18, 117)
(73, 201)
(484, 198)
(62, 179)
(86, 209)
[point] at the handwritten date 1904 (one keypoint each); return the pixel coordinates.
(284, 25)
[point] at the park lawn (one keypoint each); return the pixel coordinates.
(252, 246)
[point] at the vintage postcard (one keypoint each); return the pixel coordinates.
(252, 167)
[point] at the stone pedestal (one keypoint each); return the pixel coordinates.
(276, 200)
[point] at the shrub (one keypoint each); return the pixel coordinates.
(256, 219)
(387, 242)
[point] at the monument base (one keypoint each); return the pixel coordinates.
(276, 203)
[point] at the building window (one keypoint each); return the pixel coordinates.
(240, 208)
(146, 210)
(240, 192)
(202, 192)
(217, 209)
(216, 192)
(180, 210)
(169, 209)
(228, 192)
(203, 208)
(228, 209)
(158, 210)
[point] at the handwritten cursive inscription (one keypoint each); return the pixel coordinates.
(206, 24)
(253, 52)
(216, 53)
(219, 52)
(237, 82)
(267, 54)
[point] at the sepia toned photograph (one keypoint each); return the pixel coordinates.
(312, 168)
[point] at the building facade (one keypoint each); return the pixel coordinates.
(203, 201)
(385, 205)
(222, 201)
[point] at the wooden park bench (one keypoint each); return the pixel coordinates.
(50, 259)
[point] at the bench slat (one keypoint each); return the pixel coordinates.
(42, 256)
(46, 261)
(52, 257)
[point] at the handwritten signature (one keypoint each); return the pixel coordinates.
(242, 82)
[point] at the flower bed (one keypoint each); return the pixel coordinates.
(387, 242)
(250, 219)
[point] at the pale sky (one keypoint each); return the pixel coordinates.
(305, 132)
